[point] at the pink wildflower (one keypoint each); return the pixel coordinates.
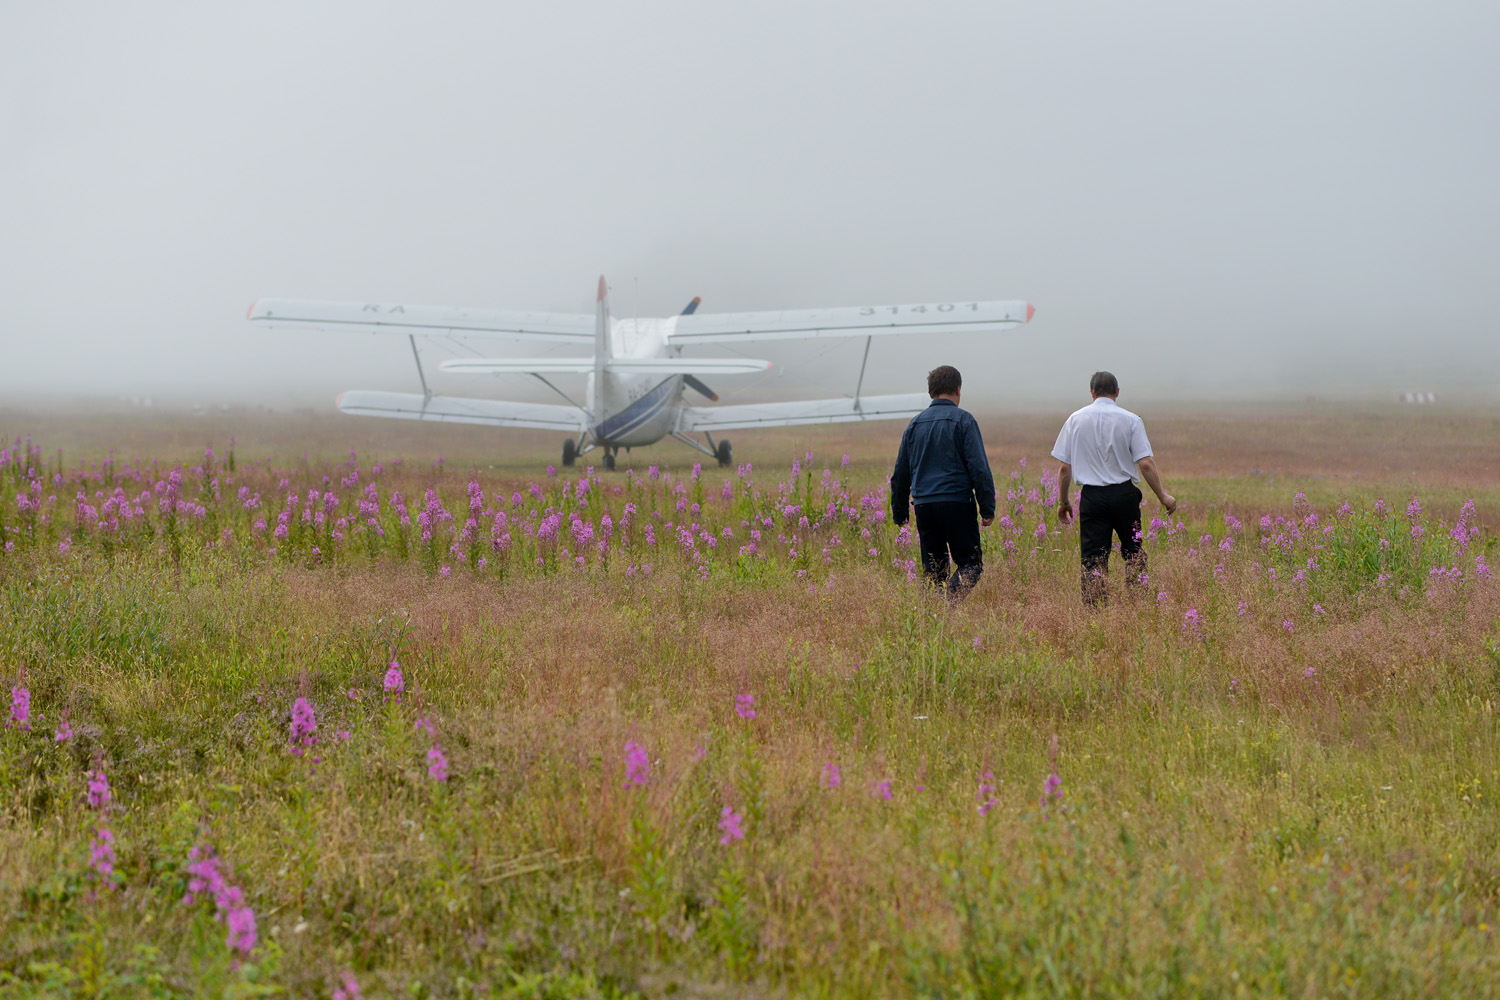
(637, 764)
(730, 823)
(395, 684)
(744, 706)
(102, 853)
(437, 763)
(229, 900)
(64, 732)
(883, 790)
(304, 723)
(20, 708)
(987, 799)
(348, 988)
(831, 777)
(99, 795)
(240, 921)
(1051, 789)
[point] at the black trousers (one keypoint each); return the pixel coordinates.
(1103, 512)
(950, 527)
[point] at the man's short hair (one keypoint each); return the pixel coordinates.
(944, 380)
(1104, 384)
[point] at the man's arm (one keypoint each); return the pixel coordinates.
(1153, 479)
(978, 463)
(901, 483)
(1065, 493)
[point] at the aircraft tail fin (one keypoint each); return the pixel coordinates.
(601, 323)
(601, 351)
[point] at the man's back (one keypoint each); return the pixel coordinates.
(1102, 442)
(942, 459)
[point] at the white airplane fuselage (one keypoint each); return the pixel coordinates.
(635, 410)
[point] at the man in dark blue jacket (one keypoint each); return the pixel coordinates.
(942, 467)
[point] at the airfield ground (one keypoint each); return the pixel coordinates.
(692, 761)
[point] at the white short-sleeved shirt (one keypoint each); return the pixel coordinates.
(1102, 442)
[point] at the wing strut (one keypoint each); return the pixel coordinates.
(860, 384)
(426, 392)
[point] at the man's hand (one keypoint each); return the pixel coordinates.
(1169, 503)
(985, 522)
(1064, 511)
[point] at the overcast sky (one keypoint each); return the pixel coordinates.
(1260, 197)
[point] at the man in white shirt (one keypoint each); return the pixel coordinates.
(1102, 446)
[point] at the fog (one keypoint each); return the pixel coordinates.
(1252, 201)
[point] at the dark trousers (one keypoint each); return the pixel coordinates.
(950, 526)
(1103, 512)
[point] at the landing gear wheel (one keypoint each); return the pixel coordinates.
(609, 461)
(570, 451)
(725, 454)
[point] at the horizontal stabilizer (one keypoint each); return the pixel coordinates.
(812, 411)
(423, 321)
(462, 410)
(619, 366)
(852, 321)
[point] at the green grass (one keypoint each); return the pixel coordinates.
(1229, 824)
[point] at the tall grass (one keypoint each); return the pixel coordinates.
(1277, 756)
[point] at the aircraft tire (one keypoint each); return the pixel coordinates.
(609, 461)
(570, 452)
(725, 454)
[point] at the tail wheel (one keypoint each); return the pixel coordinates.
(570, 451)
(725, 454)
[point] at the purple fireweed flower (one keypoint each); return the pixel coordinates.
(730, 823)
(348, 988)
(883, 790)
(102, 854)
(304, 723)
(99, 794)
(1310, 673)
(987, 799)
(1286, 623)
(1052, 790)
(205, 878)
(64, 732)
(978, 642)
(239, 919)
(437, 763)
(831, 776)
(1190, 620)
(394, 682)
(744, 706)
(637, 764)
(20, 708)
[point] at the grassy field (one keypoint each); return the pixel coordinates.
(320, 714)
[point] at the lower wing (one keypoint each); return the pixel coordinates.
(811, 411)
(462, 410)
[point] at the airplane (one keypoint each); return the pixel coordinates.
(637, 375)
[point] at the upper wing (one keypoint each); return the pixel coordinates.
(623, 366)
(812, 411)
(853, 321)
(461, 410)
(374, 317)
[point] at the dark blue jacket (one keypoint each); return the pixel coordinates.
(941, 458)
